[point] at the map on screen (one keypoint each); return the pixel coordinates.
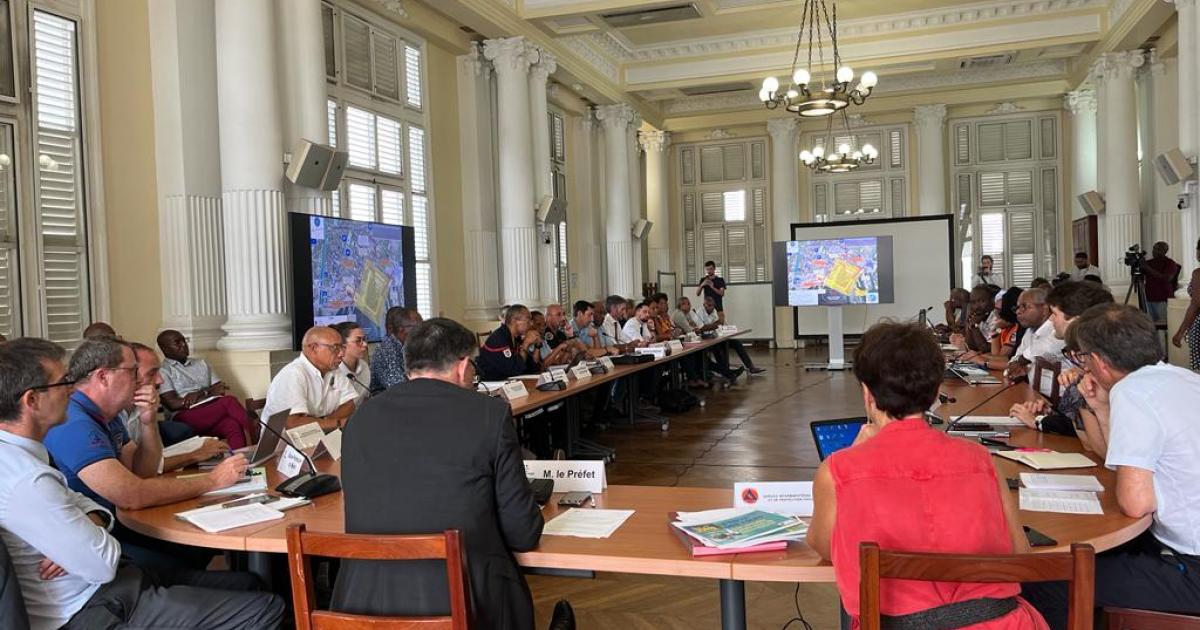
(357, 272)
(841, 271)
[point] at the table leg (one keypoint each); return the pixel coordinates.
(733, 605)
(259, 563)
(573, 428)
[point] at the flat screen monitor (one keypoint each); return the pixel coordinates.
(346, 270)
(839, 271)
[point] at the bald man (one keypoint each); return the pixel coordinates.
(308, 387)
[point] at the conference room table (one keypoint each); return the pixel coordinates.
(645, 544)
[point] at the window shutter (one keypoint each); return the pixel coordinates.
(360, 137)
(8, 292)
(991, 189)
(735, 205)
(412, 76)
(712, 207)
(689, 210)
(1019, 188)
(1018, 140)
(712, 168)
(1021, 247)
(896, 148)
(391, 152)
(564, 288)
(1048, 134)
(846, 197)
(759, 196)
(687, 164)
(416, 158)
(331, 108)
(737, 253)
(9, 306)
(330, 41)
(59, 181)
(757, 161)
(1049, 218)
(420, 224)
(385, 51)
(991, 236)
(962, 144)
(871, 195)
(991, 142)
(735, 161)
(820, 205)
(356, 42)
(335, 202)
(558, 149)
(897, 190)
(711, 245)
(391, 207)
(964, 194)
(424, 289)
(362, 202)
(689, 253)
(760, 254)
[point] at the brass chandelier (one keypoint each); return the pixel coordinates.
(845, 157)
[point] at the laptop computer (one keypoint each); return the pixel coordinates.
(831, 436)
(268, 441)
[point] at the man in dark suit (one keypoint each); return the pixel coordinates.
(428, 455)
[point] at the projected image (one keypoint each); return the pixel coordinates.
(836, 272)
(357, 272)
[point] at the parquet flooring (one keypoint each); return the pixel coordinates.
(757, 430)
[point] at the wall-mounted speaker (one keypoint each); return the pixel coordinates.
(641, 228)
(1092, 203)
(1173, 167)
(551, 210)
(316, 166)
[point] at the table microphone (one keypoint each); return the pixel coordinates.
(985, 401)
(310, 484)
(354, 379)
(946, 398)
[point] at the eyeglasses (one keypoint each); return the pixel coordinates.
(337, 348)
(1079, 358)
(358, 341)
(63, 382)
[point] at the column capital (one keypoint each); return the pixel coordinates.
(474, 61)
(782, 128)
(510, 56)
(1081, 101)
(615, 116)
(929, 115)
(654, 141)
(544, 66)
(1115, 64)
(1180, 4)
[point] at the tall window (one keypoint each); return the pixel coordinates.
(377, 114)
(558, 176)
(1006, 194)
(724, 193)
(45, 235)
(874, 191)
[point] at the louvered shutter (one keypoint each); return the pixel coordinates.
(689, 210)
(962, 144)
(896, 148)
(425, 289)
(416, 158)
(420, 225)
(897, 194)
(757, 160)
(331, 111)
(58, 182)
(687, 164)
(1049, 195)
(760, 254)
(991, 189)
(991, 237)
(564, 288)
(385, 67)
(362, 202)
(737, 252)
(820, 200)
(759, 204)
(360, 137)
(412, 76)
(689, 254)
(1019, 188)
(356, 42)
(870, 194)
(330, 40)
(991, 142)
(1018, 140)
(846, 197)
(1022, 245)
(558, 149)
(963, 190)
(712, 207)
(389, 145)
(734, 206)
(391, 206)
(1048, 138)
(9, 292)
(734, 158)
(712, 165)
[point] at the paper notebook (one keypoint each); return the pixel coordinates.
(229, 518)
(1039, 481)
(1048, 460)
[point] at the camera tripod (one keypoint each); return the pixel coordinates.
(1138, 283)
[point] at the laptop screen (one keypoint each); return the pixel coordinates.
(832, 436)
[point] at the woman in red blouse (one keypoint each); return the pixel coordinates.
(909, 487)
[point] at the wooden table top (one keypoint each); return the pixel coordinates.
(645, 544)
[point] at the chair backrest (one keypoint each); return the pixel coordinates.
(1076, 567)
(12, 604)
(254, 407)
(1130, 619)
(445, 546)
(1042, 365)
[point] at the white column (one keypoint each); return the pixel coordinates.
(251, 177)
(475, 118)
(930, 122)
(1188, 84)
(785, 185)
(1122, 214)
(658, 196)
(619, 262)
(635, 200)
(1082, 105)
(518, 230)
(183, 69)
(305, 92)
(583, 208)
(539, 121)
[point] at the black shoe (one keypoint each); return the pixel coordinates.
(563, 617)
(757, 370)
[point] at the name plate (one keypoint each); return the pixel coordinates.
(675, 346)
(306, 436)
(726, 330)
(584, 475)
(607, 363)
(330, 445)
(581, 372)
(290, 463)
(513, 390)
(784, 497)
(559, 374)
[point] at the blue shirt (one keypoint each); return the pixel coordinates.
(387, 364)
(84, 439)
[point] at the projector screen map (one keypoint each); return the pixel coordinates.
(833, 272)
(357, 272)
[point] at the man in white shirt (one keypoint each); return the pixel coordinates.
(988, 274)
(1145, 421)
(707, 319)
(611, 327)
(1039, 339)
(308, 387)
(1083, 268)
(66, 562)
(637, 327)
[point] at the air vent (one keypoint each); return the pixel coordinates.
(985, 61)
(704, 90)
(659, 15)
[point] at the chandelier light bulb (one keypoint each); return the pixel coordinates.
(844, 149)
(792, 94)
(845, 74)
(764, 95)
(5, 160)
(806, 155)
(771, 84)
(870, 79)
(869, 150)
(801, 77)
(818, 151)
(857, 155)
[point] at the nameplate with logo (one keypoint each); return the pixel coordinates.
(306, 436)
(581, 372)
(607, 363)
(585, 475)
(513, 390)
(559, 374)
(675, 345)
(785, 497)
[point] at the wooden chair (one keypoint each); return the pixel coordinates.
(254, 407)
(1055, 367)
(1130, 619)
(1076, 567)
(445, 546)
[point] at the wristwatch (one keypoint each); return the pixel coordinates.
(1037, 422)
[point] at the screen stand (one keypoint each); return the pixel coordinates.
(837, 343)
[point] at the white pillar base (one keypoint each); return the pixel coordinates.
(1120, 231)
(256, 266)
(519, 276)
(194, 282)
(483, 291)
(660, 260)
(299, 200)
(620, 269)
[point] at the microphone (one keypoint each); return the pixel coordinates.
(310, 484)
(354, 379)
(985, 401)
(946, 398)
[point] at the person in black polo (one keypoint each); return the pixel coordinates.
(712, 285)
(511, 349)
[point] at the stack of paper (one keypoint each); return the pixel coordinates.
(219, 520)
(255, 483)
(587, 523)
(1048, 460)
(996, 421)
(1063, 501)
(189, 445)
(740, 530)
(1039, 481)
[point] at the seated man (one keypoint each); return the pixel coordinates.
(511, 349)
(1039, 341)
(637, 328)
(309, 386)
(708, 319)
(98, 330)
(957, 308)
(582, 327)
(387, 359)
(1067, 302)
(195, 396)
(456, 456)
(981, 320)
(66, 562)
(1145, 424)
(1083, 268)
(940, 493)
(693, 365)
(149, 372)
(613, 325)
(559, 345)
(681, 316)
(93, 451)
(664, 326)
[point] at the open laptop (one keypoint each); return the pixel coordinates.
(831, 436)
(268, 441)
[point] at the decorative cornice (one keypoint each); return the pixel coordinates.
(396, 7)
(1118, 9)
(545, 65)
(615, 116)
(783, 128)
(511, 55)
(1081, 101)
(1112, 65)
(929, 115)
(655, 141)
(721, 133)
(1004, 107)
(475, 61)
(585, 50)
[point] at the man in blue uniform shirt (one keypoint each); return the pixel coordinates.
(511, 349)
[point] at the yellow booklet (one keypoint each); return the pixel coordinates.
(1048, 460)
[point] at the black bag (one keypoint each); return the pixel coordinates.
(677, 401)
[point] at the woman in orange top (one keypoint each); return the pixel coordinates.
(909, 487)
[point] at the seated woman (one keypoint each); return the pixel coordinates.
(355, 361)
(909, 487)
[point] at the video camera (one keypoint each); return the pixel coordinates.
(1134, 257)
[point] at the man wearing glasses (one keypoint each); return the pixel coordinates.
(94, 453)
(196, 396)
(308, 387)
(1039, 339)
(1145, 425)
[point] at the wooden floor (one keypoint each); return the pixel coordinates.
(757, 430)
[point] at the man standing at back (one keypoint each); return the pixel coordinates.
(1162, 280)
(454, 463)
(712, 286)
